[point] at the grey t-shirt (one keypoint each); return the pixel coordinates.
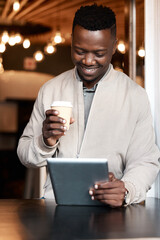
(88, 96)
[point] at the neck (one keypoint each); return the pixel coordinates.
(89, 84)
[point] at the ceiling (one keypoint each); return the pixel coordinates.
(39, 19)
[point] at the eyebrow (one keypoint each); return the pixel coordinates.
(98, 50)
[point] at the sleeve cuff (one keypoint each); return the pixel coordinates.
(50, 147)
(131, 193)
(43, 148)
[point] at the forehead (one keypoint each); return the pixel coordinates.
(99, 38)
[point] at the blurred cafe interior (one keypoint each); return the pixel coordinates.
(35, 38)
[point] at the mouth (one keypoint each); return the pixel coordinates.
(89, 70)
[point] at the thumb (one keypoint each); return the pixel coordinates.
(112, 177)
(72, 120)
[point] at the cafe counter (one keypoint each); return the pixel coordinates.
(37, 219)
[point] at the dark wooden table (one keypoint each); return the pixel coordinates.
(41, 219)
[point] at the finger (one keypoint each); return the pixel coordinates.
(117, 191)
(54, 133)
(112, 199)
(114, 184)
(52, 112)
(91, 191)
(54, 119)
(111, 177)
(102, 185)
(52, 116)
(98, 184)
(112, 203)
(56, 126)
(53, 130)
(109, 196)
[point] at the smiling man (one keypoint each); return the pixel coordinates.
(111, 113)
(92, 53)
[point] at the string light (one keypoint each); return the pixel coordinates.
(49, 49)
(58, 38)
(18, 38)
(121, 47)
(16, 6)
(12, 40)
(26, 43)
(5, 37)
(38, 56)
(2, 47)
(141, 52)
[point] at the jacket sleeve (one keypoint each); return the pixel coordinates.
(31, 150)
(142, 158)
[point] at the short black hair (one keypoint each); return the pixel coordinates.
(94, 17)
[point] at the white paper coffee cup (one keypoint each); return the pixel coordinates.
(65, 110)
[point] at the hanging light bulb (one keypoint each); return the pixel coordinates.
(49, 49)
(5, 37)
(16, 5)
(121, 47)
(18, 38)
(38, 56)
(26, 43)
(141, 52)
(12, 40)
(2, 47)
(58, 38)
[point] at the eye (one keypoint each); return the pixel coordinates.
(100, 55)
(79, 52)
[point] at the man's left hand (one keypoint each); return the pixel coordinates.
(111, 192)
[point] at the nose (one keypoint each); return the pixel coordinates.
(88, 59)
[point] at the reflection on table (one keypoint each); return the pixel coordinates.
(42, 219)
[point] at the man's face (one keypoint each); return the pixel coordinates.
(91, 53)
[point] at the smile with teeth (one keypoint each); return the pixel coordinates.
(89, 70)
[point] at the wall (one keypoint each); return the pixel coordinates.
(152, 70)
(13, 58)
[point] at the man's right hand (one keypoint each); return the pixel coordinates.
(53, 127)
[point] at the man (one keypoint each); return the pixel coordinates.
(111, 113)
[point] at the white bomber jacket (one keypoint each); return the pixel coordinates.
(119, 128)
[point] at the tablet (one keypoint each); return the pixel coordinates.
(72, 178)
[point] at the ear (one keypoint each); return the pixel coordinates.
(114, 46)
